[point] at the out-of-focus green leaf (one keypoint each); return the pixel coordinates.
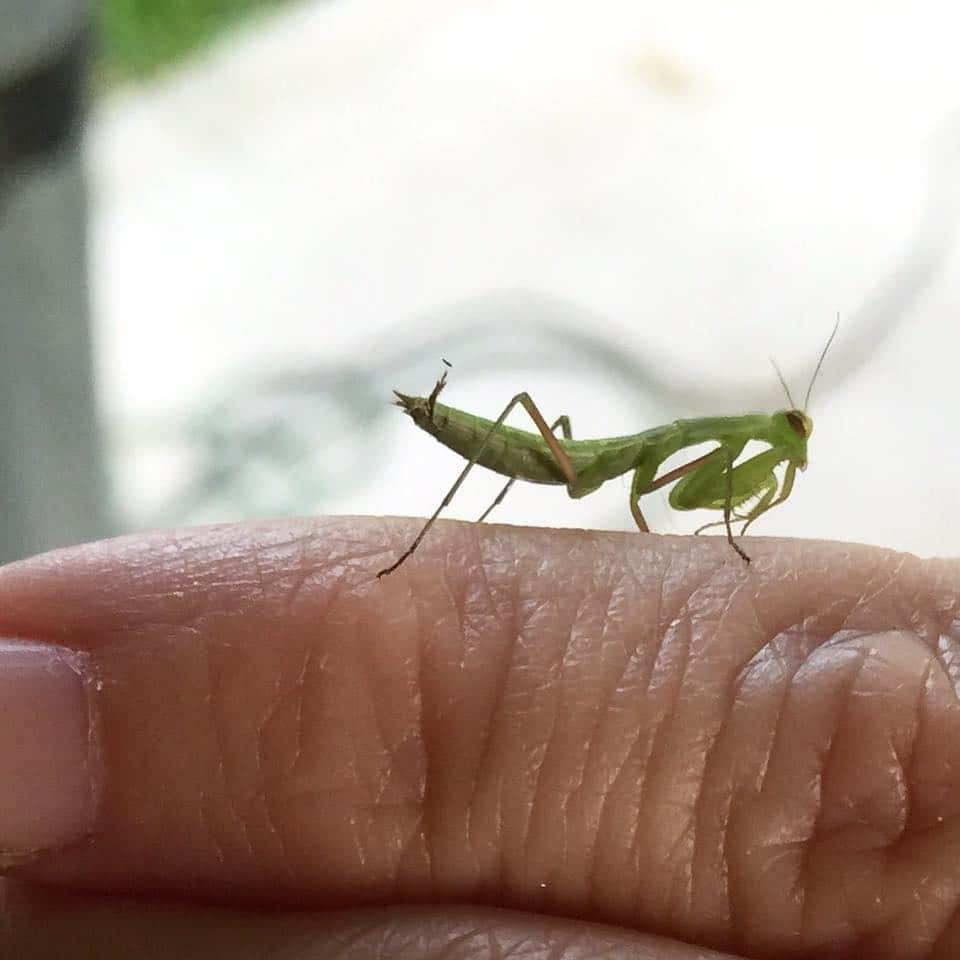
(139, 37)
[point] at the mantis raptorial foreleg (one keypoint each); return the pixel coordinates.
(563, 423)
(765, 503)
(525, 400)
(785, 491)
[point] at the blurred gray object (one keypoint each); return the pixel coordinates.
(52, 489)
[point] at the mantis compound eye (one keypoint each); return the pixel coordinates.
(801, 424)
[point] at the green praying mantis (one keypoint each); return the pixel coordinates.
(713, 481)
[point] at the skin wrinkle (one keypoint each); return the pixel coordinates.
(775, 644)
(655, 653)
(948, 934)
(266, 794)
(943, 640)
(550, 743)
(731, 885)
(549, 683)
(489, 731)
(655, 758)
(934, 930)
(491, 728)
(738, 685)
(710, 751)
(216, 726)
(869, 598)
(301, 686)
(951, 919)
(947, 650)
(428, 807)
(331, 573)
(203, 573)
(364, 663)
(489, 725)
(260, 594)
(358, 836)
(931, 931)
(803, 871)
(601, 711)
(206, 817)
(642, 737)
(887, 930)
(941, 661)
(776, 733)
(728, 880)
(774, 739)
(451, 948)
(554, 684)
(270, 818)
(907, 764)
(343, 946)
(432, 808)
(299, 690)
(398, 807)
(422, 832)
(614, 776)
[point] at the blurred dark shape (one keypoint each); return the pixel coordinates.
(52, 489)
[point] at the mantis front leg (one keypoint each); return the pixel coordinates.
(765, 503)
(785, 491)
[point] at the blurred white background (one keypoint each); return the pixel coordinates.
(624, 208)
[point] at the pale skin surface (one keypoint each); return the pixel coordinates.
(635, 730)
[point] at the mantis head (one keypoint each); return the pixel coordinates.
(793, 427)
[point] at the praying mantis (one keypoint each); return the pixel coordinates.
(713, 481)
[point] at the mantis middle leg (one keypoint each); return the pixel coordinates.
(644, 483)
(728, 509)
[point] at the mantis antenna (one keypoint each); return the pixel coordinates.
(783, 383)
(813, 379)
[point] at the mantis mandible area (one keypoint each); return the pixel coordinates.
(713, 481)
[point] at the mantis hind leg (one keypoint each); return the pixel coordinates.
(559, 454)
(564, 424)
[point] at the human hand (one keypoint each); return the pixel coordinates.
(519, 732)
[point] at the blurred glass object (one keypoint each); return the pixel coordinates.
(625, 215)
(52, 488)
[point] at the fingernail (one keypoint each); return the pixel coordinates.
(47, 775)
